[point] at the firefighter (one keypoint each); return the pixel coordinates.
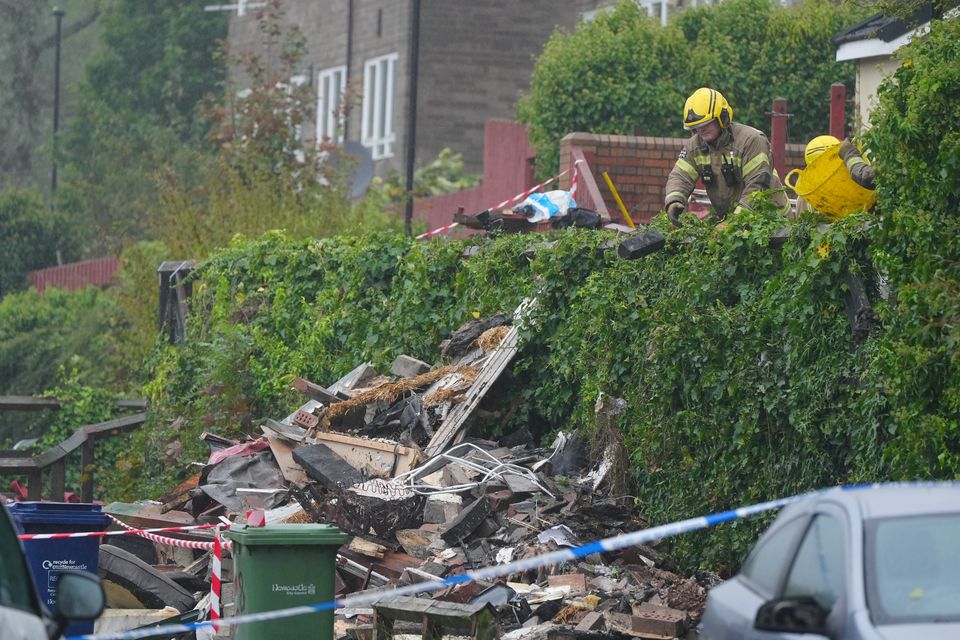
(732, 159)
(859, 169)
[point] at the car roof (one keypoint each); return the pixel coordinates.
(896, 500)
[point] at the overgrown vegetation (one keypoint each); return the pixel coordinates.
(624, 73)
(743, 380)
(137, 111)
(727, 351)
(31, 237)
(916, 142)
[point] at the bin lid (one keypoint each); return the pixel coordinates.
(58, 513)
(287, 534)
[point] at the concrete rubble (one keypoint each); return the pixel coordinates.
(390, 460)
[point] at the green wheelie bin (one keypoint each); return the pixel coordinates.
(279, 566)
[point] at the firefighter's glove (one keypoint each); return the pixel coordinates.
(674, 209)
(848, 149)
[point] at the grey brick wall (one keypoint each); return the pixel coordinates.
(476, 57)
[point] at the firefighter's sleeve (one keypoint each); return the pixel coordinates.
(757, 168)
(860, 170)
(682, 179)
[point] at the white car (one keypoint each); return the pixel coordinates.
(858, 564)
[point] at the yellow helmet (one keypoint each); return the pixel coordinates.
(817, 146)
(706, 105)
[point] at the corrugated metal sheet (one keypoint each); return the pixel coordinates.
(100, 272)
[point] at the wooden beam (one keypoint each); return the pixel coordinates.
(315, 391)
(86, 471)
(497, 361)
(32, 403)
(27, 403)
(34, 485)
(58, 480)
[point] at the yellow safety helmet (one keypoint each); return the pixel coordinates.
(706, 105)
(817, 146)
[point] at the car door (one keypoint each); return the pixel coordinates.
(820, 566)
(732, 606)
(20, 617)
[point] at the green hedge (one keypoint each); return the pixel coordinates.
(741, 373)
(736, 359)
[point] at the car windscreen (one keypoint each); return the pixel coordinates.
(912, 569)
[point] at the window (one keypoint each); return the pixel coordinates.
(819, 567)
(378, 105)
(912, 564)
(766, 565)
(295, 82)
(331, 83)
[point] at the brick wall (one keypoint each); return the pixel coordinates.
(475, 59)
(507, 171)
(638, 167)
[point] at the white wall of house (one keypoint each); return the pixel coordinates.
(870, 73)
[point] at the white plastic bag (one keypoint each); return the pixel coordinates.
(548, 205)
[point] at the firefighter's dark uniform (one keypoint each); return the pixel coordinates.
(860, 170)
(735, 165)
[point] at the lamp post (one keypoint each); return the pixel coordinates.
(58, 13)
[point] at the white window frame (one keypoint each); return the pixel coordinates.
(378, 84)
(297, 81)
(331, 84)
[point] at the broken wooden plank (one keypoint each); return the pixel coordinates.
(315, 391)
(327, 467)
(376, 457)
(283, 452)
(366, 547)
(491, 370)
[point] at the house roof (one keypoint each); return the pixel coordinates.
(883, 28)
(879, 35)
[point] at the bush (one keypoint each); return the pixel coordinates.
(31, 235)
(727, 352)
(622, 73)
(916, 143)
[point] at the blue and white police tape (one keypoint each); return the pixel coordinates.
(562, 555)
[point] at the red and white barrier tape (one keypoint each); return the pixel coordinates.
(521, 196)
(576, 180)
(101, 534)
(215, 579)
(433, 232)
(173, 542)
(516, 198)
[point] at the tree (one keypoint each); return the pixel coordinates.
(30, 237)
(623, 73)
(264, 174)
(27, 39)
(137, 112)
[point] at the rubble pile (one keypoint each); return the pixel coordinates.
(389, 461)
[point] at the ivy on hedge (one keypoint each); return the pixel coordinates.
(735, 358)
